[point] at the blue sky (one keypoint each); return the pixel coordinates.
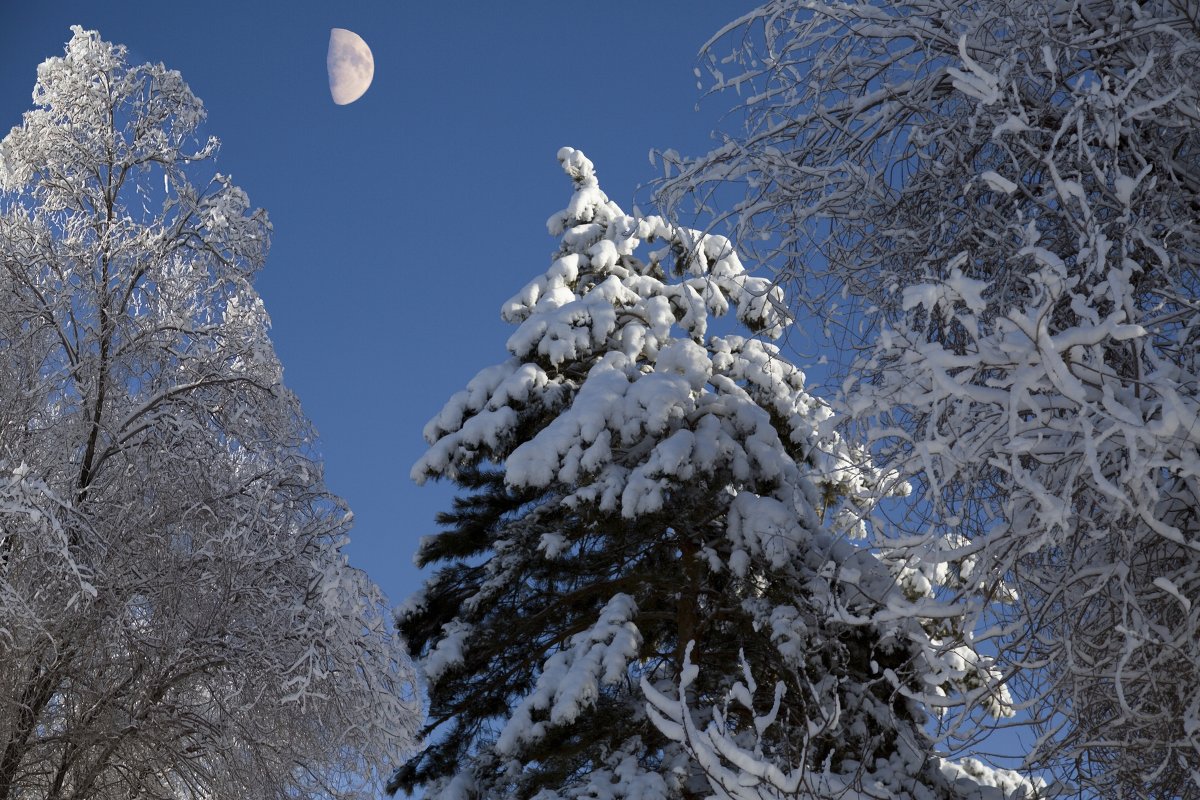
(404, 220)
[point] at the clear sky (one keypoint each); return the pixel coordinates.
(404, 220)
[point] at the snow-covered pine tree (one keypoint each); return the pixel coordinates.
(638, 498)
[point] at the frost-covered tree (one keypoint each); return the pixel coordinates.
(1009, 195)
(176, 617)
(637, 584)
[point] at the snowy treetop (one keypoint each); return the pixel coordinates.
(610, 357)
(626, 345)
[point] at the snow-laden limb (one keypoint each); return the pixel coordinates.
(570, 680)
(739, 763)
(996, 205)
(32, 529)
(177, 617)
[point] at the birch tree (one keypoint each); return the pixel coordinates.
(177, 619)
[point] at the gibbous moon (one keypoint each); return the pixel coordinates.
(351, 66)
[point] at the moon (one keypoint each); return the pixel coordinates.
(351, 66)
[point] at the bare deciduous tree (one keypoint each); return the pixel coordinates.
(176, 617)
(1008, 194)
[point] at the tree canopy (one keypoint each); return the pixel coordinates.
(176, 616)
(1002, 201)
